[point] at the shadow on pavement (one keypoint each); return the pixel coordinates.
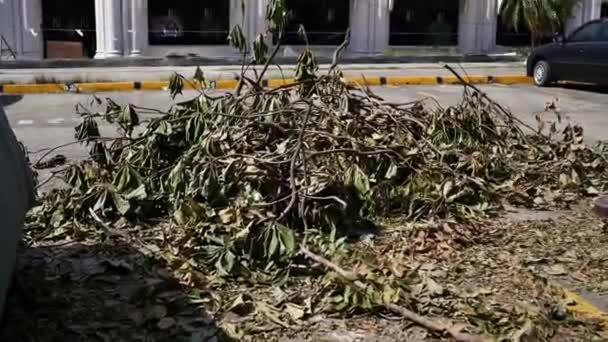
(7, 100)
(101, 292)
(592, 88)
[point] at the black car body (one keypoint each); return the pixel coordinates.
(580, 57)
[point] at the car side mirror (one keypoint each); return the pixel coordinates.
(559, 38)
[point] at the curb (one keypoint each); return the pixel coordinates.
(580, 306)
(93, 87)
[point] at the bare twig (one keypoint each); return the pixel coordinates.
(487, 98)
(272, 57)
(292, 167)
(109, 230)
(338, 52)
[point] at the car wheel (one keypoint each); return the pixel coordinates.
(542, 73)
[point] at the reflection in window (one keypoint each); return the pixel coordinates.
(430, 22)
(69, 21)
(188, 22)
(590, 33)
(325, 21)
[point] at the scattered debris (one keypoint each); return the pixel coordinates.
(235, 194)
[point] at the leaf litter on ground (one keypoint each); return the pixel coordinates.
(250, 202)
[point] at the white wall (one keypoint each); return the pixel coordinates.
(20, 24)
(477, 26)
(7, 24)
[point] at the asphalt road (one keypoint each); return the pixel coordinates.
(46, 120)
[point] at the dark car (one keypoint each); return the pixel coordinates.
(580, 57)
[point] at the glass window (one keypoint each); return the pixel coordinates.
(325, 21)
(603, 35)
(604, 13)
(588, 33)
(69, 21)
(188, 22)
(507, 35)
(430, 22)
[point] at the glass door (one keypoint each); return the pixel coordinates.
(325, 21)
(430, 22)
(188, 22)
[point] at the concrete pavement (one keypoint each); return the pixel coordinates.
(46, 120)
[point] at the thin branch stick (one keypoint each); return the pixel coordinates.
(51, 150)
(485, 96)
(338, 52)
(292, 167)
(272, 57)
(109, 230)
(50, 177)
(403, 312)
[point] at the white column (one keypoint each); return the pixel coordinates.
(360, 24)
(100, 36)
(594, 9)
(577, 18)
(252, 21)
(31, 45)
(382, 22)
(477, 26)
(257, 13)
(370, 25)
(113, 28)
(138, 29)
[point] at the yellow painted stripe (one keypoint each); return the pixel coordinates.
(226, 84)
(154, 85)
(513, 79)
(372, 80)
(33, 88)
(272, 83)
(277, 82)
(105, 86)
(578, 305)
(410, 80)
(193, 84)
(478, 79)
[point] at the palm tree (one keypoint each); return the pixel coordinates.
(541, 17)
(562, 11)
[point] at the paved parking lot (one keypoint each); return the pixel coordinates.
(46, 120)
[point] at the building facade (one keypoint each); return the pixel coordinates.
(36, 29)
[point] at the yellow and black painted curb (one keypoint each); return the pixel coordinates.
(579, 306)
(93, 87)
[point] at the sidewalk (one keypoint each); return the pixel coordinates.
(287, 56)
(224, 77)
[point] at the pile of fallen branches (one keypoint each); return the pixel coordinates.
(244, 178)
(266, 165)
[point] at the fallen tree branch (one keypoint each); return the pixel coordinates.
(425, 322)
(292, 167)
(486, 97)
